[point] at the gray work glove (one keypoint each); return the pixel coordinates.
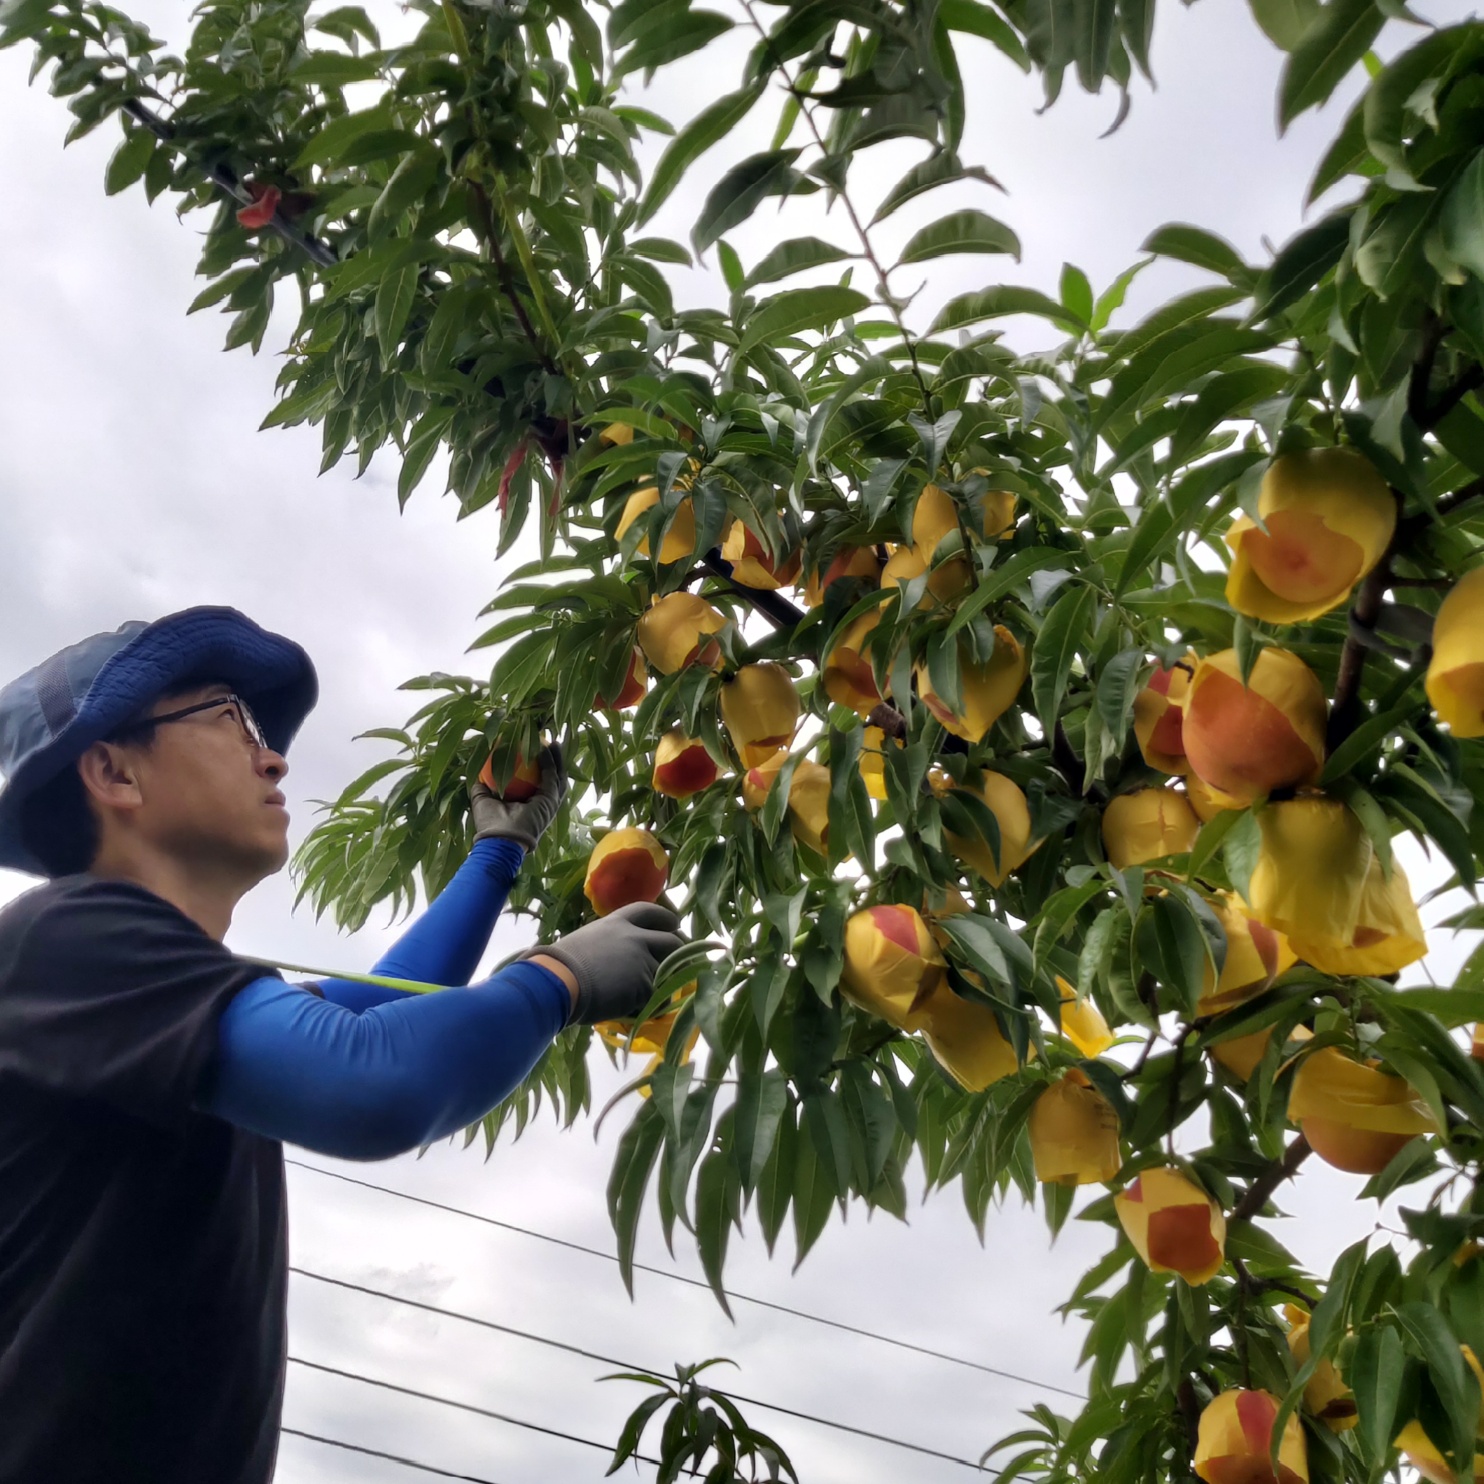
(526, 820)
(614, 960)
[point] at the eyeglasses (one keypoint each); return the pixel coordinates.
(250, 724)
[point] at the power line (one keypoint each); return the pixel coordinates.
(631, 1365)
(407, 1463)
(761, 1303)
(448, 1401)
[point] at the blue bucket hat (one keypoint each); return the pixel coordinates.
(51, 715)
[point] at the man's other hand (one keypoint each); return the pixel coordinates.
(612, 961)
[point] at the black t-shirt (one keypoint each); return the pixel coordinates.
(142, 1244)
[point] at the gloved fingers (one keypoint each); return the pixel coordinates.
(650, 915)
(553, 772)
(479, 789)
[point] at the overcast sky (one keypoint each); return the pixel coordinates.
(133, 484)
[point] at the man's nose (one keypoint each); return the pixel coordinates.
(272, 763)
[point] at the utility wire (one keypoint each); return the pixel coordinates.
(407, 1463)
(448, 1401)
(761, 1303)
(629, 1365)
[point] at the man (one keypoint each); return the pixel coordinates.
(148, 1077)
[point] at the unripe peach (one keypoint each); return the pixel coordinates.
(679, 540)
(991, 515)
(849, 561)
(1248, 740)
(1325, 1392)
(1073, 1132)
(809, 805)
(1388, 934)
(966, 1040)
(1003, 798)
(682, 766)
(757, 781)
(1329, 518)
(1174, 1225)
(627, 865)
(751, 564)
(524, 782)
(675, 633)
(873, 761)
(617, 434)
(1159, 714)
(1208, 802)
(946, 582)
(1455, 674)
(1235, 1437)
(1241, 1054)
(848, 677)
(1081, 1022)
(892, 965)
(1311, 869)
(1255, 956)
(1355, 1116)
(987, 690)
(760, 706)
(1147, 824)
(636, 682)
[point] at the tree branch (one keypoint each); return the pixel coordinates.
(1270, 1179)
(225, 179)
(491, 236)
(774, 607)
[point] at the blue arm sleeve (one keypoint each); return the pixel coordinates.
(445, 944)
(369, 1085)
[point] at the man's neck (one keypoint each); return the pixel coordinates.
(206, 900)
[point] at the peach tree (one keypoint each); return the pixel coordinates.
(1025, 737)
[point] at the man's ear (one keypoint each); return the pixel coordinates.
(109, 773)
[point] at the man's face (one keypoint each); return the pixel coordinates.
(204, 791)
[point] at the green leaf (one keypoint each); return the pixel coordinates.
(1462, 219)
(627, 1181)
(794, 256)
(1063, 633)
(1374, 1374)
(1241, 845)
(1436, 1346)
(394, 298)
(334, 69)
(738, 193)
(799, 309)
(1285, 22)
(1172, 947)
(337, 136)
(1201, 248)
(976, 19)
(1340, 36)
(961, 232)
(995, 303)
(714, 122)
(129, 161)
(1303, 261)
(668, 34)
(938, 169)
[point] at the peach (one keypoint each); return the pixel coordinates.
(1455, 674)
(848, 677)
(1311, 870)
(990, 516)
(987, 690)
(1073, 1132)
(627, 865)
(524, 782)
(682, 766)
(751, 564)
(966, 1040)
(675, 633)
(892, 965)
(1148, 824)
(1003, 798)
(1420, 1450)
(636, 682)
(679, 540)
(1355, 1116)
(1234, 1441)
(1388, 934)
(946, 582)
(873, 761)
(1255, 956)
(1173, 1224)
(1081, 1022)
(1325, 1392)
(847, 562)
(760, 707)
(1247, 740)
(1329, 516)
(1159, 713)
